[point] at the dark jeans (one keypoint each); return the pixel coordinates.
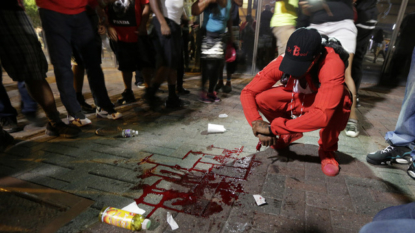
(393, 219)
(62, 31)
(6, 108)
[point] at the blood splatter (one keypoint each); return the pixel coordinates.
(203, 184)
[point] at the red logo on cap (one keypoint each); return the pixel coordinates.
(296, 50)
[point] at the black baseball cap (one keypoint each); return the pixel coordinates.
(302, 48)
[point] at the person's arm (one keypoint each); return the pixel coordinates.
(263, 81)
(142, 29)
(328, 98)
(200, 5)
(238, 2)
(305, 7)
(164, 28)
(230, 30)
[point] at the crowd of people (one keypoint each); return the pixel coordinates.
(311, 85)
(73, 29)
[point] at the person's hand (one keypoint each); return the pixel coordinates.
(267, 140)
(112, 33)
(142, 31)
(101, 29)
(260, 127)
(165, 29)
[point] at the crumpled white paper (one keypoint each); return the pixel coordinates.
(260, 200)
(171, 221)
(223, 115)
(133, 208)
(213, 128)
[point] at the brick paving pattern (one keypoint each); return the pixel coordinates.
(207, 180)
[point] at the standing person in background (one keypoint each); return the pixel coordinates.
(22, 57)
(184, 58)
(283, 22)
(367, 15)
(8, 114)
(378, 44)
(78, 68)
(66, 24)
(231, 67)
(216, 18)
(402, 139)
(168, 47)
(127, 28)
(334, 18)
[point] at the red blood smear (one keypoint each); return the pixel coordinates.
(201, 183)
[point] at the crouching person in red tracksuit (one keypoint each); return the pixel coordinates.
(313, 96)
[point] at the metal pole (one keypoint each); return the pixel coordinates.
(394, 36)
(258, 22)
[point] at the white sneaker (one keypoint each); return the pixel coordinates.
(104, 114)
(78, 121)
(352, 129)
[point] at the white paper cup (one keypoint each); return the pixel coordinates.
(213, 128)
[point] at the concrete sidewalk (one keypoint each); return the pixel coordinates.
(207, 180)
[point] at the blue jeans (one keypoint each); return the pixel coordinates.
(62, 31)
(404, 134)
(6, 108)
(393, 219)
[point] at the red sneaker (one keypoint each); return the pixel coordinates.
(285, 140)
(329, 165)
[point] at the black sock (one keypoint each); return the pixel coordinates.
(172, 91)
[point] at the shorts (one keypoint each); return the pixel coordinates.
(168, 48)
(21, 53)
(135, 56)
(345, 31)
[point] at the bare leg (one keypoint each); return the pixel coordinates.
(127, 78)
(78, 77)
(147, 75)
(350, 84)
(42, 94)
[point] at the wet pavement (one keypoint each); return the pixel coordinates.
(207, 181)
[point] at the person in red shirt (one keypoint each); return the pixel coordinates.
(312, 96)
(126, 18)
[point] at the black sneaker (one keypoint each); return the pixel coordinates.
(126, 97)
(182, 91)
(151, 99)
(398, 154)
(9, 124)
(86, 108)
(63, 130)
(411, 170)
(5, 140)
(174, 102)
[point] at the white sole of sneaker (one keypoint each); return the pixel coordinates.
(352, 134)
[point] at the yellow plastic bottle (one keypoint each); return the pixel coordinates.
(124, 219)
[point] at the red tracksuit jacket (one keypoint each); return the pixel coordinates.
(328, 96)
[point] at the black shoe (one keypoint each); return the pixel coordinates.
(86, 108)
(357, 101)
(219, 86)
(63, 130)
(182, 91)
(9, 124)
(411, 170)
(126, 97)
(398, 154)
(174, 102)
(227, 89)
(5, 140)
